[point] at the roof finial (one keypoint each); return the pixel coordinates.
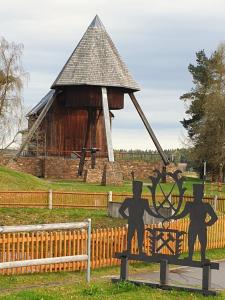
(97, 23)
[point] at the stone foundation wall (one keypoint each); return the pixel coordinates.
(141, 169)
(112, 174)
(61, 168)
(93, 175)
(31, 165)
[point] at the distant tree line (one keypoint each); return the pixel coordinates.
(178, 155)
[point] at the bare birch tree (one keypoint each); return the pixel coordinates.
(12, 76)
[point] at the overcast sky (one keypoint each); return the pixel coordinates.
(156, 39)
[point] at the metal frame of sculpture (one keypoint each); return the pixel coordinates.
(165, 237)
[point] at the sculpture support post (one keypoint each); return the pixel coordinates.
(107, 124)
(164, 271)
(149, 129)
(206, 278)
(124, 268)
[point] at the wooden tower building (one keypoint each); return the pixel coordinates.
(75, 115)
(75, 118)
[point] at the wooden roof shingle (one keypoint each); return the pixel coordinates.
(96, 61)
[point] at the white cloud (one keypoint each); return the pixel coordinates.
(157, 40)
(159, 106)
(139, 139)
(163, 111)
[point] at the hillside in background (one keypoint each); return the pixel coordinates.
(11, 180)
(14, 180)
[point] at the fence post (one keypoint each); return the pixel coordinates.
(110, 196)
(215, 202)
(50, 199)
(89, 251)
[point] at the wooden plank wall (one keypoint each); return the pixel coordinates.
(63, 130)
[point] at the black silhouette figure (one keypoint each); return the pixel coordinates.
(136, 207)
(198, 212)
(201, 216)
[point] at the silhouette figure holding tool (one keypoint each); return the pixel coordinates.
(136, 207)
(198, 212)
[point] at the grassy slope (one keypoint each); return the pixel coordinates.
(100, 219)
(13, 180)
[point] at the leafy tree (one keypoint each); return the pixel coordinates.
(195, 99)
(206, 109)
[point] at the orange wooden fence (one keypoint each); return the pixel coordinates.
(80, 199)
(40, 199)
(24, 199)
(105, 242)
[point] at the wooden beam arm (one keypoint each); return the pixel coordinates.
(149, 129)
(108, 132)
(37, 123)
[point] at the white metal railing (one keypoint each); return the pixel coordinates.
(50, 260)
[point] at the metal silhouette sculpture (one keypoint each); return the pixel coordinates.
(165, 238)
(156, 182)
(136, 207)
(198, 211)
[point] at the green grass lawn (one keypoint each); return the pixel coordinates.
(12, 180)
(16, 216)
(72, 285)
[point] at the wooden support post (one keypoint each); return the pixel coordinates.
(164, 271)
(164, 174)
(149, 129)
(84, 149)
(93, 159)
(107, 124)
(93, 138)
(82, 161)
(124, 268)
(206, 278)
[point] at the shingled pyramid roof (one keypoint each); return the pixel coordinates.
(96, 61)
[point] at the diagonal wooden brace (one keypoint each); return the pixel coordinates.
(149, 129)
